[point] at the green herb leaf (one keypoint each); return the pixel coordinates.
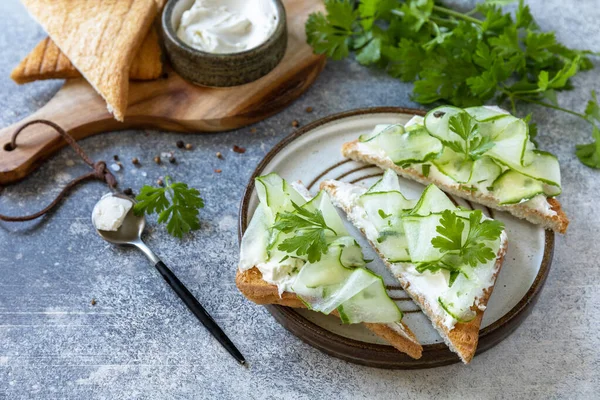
(474, 250)
(331, 34)
(176, 204)
(309, 232)
(589, 154)
(467, 128)
(592, 110)
(382, 214)
(450, 228)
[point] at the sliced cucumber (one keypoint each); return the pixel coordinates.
(382, 134)
(376, 131)
(351, 254)
(358, 293)
(325, 272)
(510, 144)
(330, 215)
(437, 123)
(276, 194)
(433, 200)
(551, 190)
(388, 183)
(415, 146)
(485, 172)
(372, 305)
(485, 113)
(415, 122)
(496, 127)
(419, 232)
(544, 167)
(326, 298)
(253, 249)
(512, 188)
(460, 314)
(454, 166)
(381, 206)
(393, 245)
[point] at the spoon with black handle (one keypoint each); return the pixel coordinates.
(130, 234)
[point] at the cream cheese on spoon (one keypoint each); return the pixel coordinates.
(227, 26)
(110, 212)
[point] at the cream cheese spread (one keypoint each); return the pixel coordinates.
(227, 26)
(110, 212)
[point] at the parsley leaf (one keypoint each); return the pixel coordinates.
(176, 204)
(589, 154)
(474, 145)
(331, 34)
(458, 253)
(451, 228)
(309, 232)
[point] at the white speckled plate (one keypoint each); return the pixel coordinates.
(311, 155)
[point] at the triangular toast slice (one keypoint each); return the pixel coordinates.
(46, 61)
(100, 38)
(255, 289)
(463, 337)
(558, 222)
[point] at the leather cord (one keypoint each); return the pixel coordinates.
(100, 171)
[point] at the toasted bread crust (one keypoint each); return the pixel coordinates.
(252, 286)
(558, 222)
(463, 338)
(46, 61)
(100, 38)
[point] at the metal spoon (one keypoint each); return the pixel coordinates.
(130, 234)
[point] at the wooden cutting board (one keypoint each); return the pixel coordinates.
(169, 103)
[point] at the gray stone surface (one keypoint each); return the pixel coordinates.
(139, 341)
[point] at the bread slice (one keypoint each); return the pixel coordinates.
(46, 61)
(100, 38)
(557, 222)
(463, 338)
(251, 284)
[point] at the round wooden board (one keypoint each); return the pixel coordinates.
(169, 103)
(312, 154)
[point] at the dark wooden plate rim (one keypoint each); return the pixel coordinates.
(376, 355)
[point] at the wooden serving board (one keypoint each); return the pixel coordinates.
(169, 103)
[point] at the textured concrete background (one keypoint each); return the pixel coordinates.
(139, 341)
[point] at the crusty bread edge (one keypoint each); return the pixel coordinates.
(558, 222)
(463, 338)
(255, 289)
(116, 96)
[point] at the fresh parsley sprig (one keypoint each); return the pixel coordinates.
(457, 252)
(464, 59)
(176, 204)
(309, 232)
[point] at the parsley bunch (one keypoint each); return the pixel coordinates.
(309, 232)
(464, 59)
(176, 204)
(458, 253)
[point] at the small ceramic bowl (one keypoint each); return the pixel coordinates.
(221, 70)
